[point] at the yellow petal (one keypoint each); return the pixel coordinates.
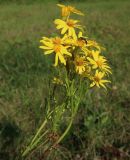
(80, 34)
(59, 26)
(60, 5)
(61, 58)
(48, 52)
(103, 85)
(92, 84)
(48, 44)
(91, 60)
(56, 60)
(64, 30)
(59, 21)
(105, 81)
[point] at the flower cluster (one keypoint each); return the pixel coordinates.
(72, 48)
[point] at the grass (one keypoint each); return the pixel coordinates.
(102, 132)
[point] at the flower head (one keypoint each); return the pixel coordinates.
(66, 10)
(68, 26)
(98, 80)
(80, 42)
(80, 64)
(98, 61)
(55, 45)
(94, 45)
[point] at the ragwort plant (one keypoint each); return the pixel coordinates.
(79, 66)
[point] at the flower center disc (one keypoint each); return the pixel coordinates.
(70, 23)
(99, 63)
(57, 44)
(56, 41)
(79, 63)
(57, 48)
(97, 79)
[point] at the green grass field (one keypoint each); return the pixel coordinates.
(102, 129)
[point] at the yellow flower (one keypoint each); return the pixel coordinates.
(80, 42)
(67, 26)
(93, 44)
(99, 62)
(69, 41)
(98, 80)
(80, 64)
(87, 73)
(55, 45)
(66, 10)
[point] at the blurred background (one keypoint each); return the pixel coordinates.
(101, 131)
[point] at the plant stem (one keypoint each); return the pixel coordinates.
(65, 132)
(39, 130)
(30, 147)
